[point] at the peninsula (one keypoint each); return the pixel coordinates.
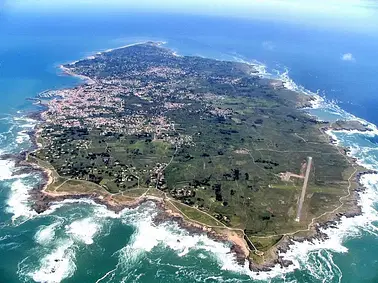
(212, 141)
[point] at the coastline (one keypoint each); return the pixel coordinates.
(45, 198)
(68, 72)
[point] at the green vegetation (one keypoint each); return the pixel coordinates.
(195, 214)
(212, 135)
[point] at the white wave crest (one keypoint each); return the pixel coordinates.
(149, 237)
(6, 169)
(22, 137)
(60, 241)
(83, 230)
(168, 235)
(57, 205)
(16, 139)
(260, 67)
(101, 211)
(46, 234)
(25, 121)
(18, 201)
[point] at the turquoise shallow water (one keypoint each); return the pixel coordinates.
(83, 242)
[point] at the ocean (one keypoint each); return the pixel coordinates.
(80, 241)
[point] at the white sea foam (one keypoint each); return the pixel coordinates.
(83, 230)
(334, 138)
(57, 205)
(260, 67)
(100, 210)
(149, 237)
(168, 235)
(14, 139)
(22, 137)
(6, 169)
(361, 148)
(19, 184)
(60, 240)
(18, 201)
(27, 126)
(46, 234)
(57, 265)
(25, 121)
(319, 98)
(176, 54)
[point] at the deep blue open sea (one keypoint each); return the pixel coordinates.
(83, 242)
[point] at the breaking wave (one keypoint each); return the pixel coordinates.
(19, 185)
(18, 201)
(58, 242)
(57, 265)
(83, 230)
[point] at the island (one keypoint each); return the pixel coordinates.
(221, 149)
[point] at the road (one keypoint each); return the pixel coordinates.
(304, 188)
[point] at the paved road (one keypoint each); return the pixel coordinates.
(304, 188)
